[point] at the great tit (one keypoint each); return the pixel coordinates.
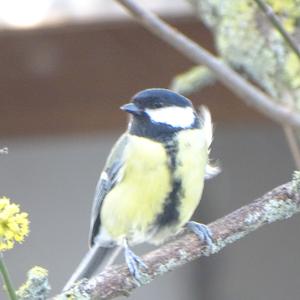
(152, 181)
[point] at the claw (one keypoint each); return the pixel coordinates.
(134, 263)
(202, 231)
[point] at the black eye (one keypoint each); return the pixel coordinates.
(157, 105)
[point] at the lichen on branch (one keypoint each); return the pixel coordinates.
(247, 41)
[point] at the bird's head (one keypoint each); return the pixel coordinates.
(158, 112)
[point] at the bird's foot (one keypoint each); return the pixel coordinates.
(202, 231)
(134, 264)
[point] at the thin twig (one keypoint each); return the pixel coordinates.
(238, 85)
(278, 204)
(277, 24)
(293, 145)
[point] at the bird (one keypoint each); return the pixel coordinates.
(152, 181)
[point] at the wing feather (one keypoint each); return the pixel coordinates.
(111, 174)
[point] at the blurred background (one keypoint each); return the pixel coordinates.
(65, 68)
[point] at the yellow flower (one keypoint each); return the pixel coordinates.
(14, 225)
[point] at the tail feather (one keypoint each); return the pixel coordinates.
(96, 259)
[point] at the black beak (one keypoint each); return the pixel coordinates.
(132, 109)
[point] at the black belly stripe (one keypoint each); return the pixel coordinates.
(170, 212)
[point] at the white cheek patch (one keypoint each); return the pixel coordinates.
(174, 116)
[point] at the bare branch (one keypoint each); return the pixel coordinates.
(238, 85)
(278, 204)
(277, 24)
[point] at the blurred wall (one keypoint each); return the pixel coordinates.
(60, 93)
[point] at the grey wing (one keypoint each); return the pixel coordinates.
(111, 174)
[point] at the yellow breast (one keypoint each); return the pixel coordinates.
(131, 209)
(132, 206)
(191, 161)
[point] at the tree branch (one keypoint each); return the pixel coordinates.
(278, 204)
(238, 85)
(274, 20)
(291, 138)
